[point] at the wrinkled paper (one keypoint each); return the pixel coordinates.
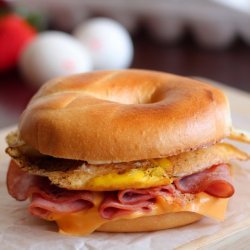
(19, 230)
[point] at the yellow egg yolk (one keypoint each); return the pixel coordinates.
(155, 175)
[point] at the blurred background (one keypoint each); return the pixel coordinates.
(40, 40)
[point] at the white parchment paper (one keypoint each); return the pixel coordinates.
(19, 230)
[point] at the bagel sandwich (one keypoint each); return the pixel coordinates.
(124, 151)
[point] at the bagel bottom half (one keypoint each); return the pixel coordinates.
(150, 223)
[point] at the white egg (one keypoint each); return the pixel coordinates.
(108, 42)
(214, 33)
(53, 54)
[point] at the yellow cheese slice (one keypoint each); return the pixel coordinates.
(85, 222)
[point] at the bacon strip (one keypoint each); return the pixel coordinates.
(215, 181)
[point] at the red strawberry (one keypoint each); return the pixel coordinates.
(15, 33)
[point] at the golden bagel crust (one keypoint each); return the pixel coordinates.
(150, 223)
(126, 115)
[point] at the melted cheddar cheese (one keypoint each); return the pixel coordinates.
(85, 222)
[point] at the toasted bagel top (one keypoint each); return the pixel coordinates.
(124, 115)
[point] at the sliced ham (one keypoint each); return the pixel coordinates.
(45, 198)
(43, 207)
(116, 204)
(133, 196)
(111, 207)
(19, 182)
(215, 181)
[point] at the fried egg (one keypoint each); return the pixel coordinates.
(79, 175)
